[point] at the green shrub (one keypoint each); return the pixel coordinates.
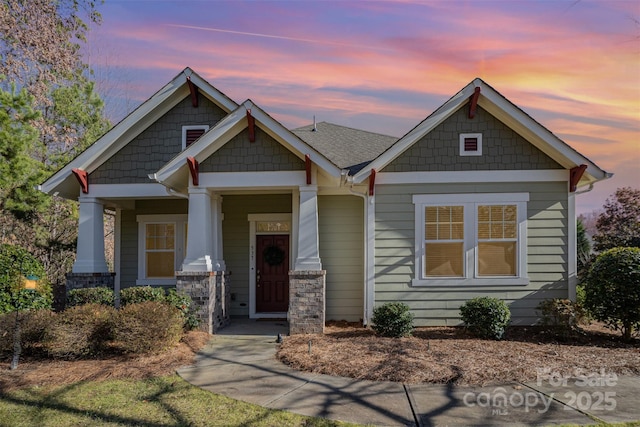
(612, 289)
(138, 294)
(486, 317)
(80, 331)
(561, 316)
(99, 295)
(16, 265)
(147, 327)
(183, 302)
(393, 319)
(33, 324)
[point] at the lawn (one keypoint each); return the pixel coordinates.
(158, 401)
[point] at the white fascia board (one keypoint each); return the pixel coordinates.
(206, 145)
(122, 133)
(427, 125)
(125, 191)
(252, 180)
(211, 92)
(543, 175)
(290, 140)
(535, 133)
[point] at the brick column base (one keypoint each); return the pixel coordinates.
(306, 302)
(210, 293)
(90, 280)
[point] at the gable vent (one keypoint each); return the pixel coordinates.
(191, 133)
(471, 144)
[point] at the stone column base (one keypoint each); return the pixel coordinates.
(307, 302)
(210, 293)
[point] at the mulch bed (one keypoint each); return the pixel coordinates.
(42, 372)
(450, 355)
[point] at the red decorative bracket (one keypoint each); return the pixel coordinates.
(372, 181)
(251, 122)
(194, 92)
(83, 179)
(193, 168)
(473, 103)
(575, 175)
(307, 165)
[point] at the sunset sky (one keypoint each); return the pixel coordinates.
(383, 66)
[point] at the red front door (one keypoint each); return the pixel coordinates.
(272, 273)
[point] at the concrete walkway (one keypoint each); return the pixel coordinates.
(240, 363)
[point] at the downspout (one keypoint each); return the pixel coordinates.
(367, 249)
(170, 191)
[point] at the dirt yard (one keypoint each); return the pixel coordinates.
(450, 355)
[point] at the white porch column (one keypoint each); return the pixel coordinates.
(308, 258)
(573, 247)
(90, 252)
(200, 231)
(216, 216)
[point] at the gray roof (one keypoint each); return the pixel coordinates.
(345, 147)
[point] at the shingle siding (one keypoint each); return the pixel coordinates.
(241, 155)
(156, 145)
(502, 148)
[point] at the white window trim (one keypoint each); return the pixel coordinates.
(477, 152)
(470, 202)
(191, 127)
(180, 250)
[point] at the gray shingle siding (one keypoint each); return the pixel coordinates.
(240, 155)
(502, 148)
(156, 145)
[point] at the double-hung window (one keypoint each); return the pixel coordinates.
(470, 239)
(161, 248)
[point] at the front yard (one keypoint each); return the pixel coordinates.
(451, 355)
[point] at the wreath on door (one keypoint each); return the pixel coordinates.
(273, 255)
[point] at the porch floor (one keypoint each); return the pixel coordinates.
(243, 326)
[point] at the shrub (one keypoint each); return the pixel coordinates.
(33, 324)
(486, 317)
(147, 327)
(393, 319)
(99, 295)
(612, 289)
(561, 316)
(16, 264)
(80, 331)
(183, 303)
(138, 294)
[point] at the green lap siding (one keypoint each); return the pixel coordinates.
(341, 228)
(547, 258)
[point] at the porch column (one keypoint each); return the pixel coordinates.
(308, 258)
(200, 231)
(90, 252)
(216, 216)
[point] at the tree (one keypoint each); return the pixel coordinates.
(19, 172)
(619, 224)
(613, 289)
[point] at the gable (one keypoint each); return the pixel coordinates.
(157, 144)
(241, 155)
(502, 148)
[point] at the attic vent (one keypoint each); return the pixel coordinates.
(470, 144)
(191, 133)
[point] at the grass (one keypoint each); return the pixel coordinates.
(159, 401)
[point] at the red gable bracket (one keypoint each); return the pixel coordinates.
(251, 122)
(473, 103)
(372, 181)
(193, 169)
(83, 179)
(307, 165)
(194, 92)
(574, 176)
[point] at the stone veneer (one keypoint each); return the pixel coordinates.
(307, 302)
(89, 280)
(210, 292)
